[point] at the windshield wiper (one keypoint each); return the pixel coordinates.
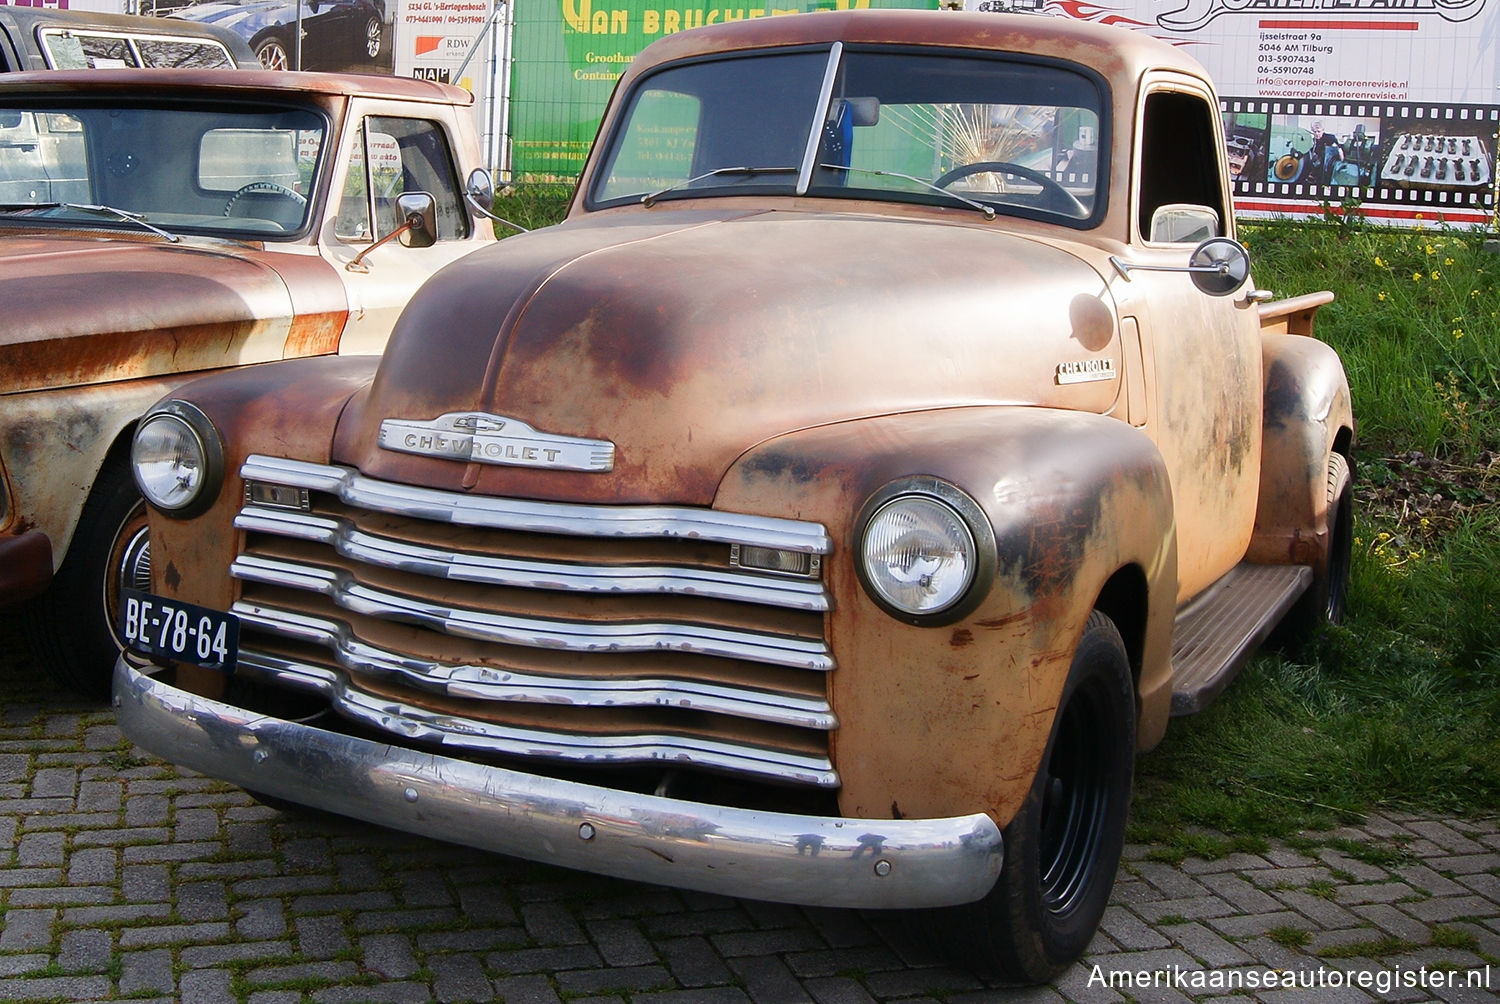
(988, 211)
(139, 219)
(646, 200)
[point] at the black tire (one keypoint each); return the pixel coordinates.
(72, 630)
(1062, 849)
(1327, 599)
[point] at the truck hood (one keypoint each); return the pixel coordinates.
(685, 338)
(87, 311)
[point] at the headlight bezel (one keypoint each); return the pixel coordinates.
(209, 444)
(966, 511)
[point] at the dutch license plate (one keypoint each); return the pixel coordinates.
(177, 631)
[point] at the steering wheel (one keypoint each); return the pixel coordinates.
(1058, 197)
(264, 188)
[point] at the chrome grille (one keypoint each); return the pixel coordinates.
(577, 633)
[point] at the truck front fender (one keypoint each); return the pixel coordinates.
(1307, 416)
(948, 718)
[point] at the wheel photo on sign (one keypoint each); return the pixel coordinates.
(336, 34)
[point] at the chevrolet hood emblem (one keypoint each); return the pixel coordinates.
(476, 437)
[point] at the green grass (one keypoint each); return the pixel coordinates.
(1398, 707)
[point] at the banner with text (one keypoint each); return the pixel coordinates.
(569, 53)
(1387, 106)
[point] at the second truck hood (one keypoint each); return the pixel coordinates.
(685, 338)
(84, 311)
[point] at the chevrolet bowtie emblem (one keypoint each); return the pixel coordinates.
(479, 438)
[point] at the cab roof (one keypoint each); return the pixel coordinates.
(198, 84)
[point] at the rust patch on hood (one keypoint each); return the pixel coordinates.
(687, 344)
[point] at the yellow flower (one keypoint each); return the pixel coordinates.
(1436, 275)
(1458, 332)
(1380, 296)
(1378, 262)
(1429, 249)
(1447, 261)
(1416, 277)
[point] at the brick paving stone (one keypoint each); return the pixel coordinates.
(459, 977)
(1359, 870)
(75, 988)
(205, 986)
(471, 940)
(85, 951)
(1449, 908)
(388, 955)
(765, 942)
(1248, 924)
(38, 849)
(1373, 892)
(320, 937)
(27, 930)
(146, 971)
(693, 962)
(1206, 946)
(526, 990)
(71, 895)
(260, 919)
(1196, 908)
(327, 972)
(766, 977)
(381, 993)
(620, 942)
(718, 995)
(1425, 879)
(604, 980)
(551, 924)
(1129, 931)
(91, 865)
(1391, 920)
(838, 990)
(542, 960)
(1240, 893)
(1228, 863)
(1320, 911)
(1172, 882)
(204, 956)
(172, 934)
(20, 965)
(202, 901)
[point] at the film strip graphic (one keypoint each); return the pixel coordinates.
(1397, 159)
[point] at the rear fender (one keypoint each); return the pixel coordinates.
(1307, 416)
(953, 718)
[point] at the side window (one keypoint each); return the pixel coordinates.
(391, 156)
(1180, 163)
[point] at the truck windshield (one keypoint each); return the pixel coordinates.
(1009, 135)
(223, 170)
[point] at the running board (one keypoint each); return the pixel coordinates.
(1218, 632)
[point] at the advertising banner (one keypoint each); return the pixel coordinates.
(569, 53)
(1387, 107)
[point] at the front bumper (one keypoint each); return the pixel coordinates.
(812, 860)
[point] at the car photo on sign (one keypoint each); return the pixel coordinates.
(336, 34)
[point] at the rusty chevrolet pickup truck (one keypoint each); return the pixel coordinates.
(155, 225)
(890, 440)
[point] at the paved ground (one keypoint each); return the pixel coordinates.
(123, 878)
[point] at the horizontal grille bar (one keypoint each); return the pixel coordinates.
(356, 489)
(341, 587)
(507, 685)
(420, 724)
(358, 545)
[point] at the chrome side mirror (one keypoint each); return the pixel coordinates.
(1219, 266)
(479, 193)
(419, 215)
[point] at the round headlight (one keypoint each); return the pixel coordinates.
(919, 555)
(177, 459)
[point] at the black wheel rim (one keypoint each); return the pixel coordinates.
(1075, 800)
